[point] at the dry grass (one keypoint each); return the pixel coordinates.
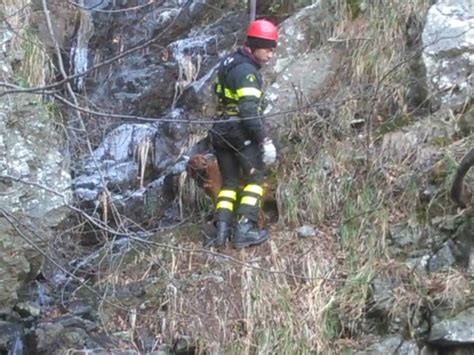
(327, 181)
(333, 175)
(35, 66)
(377, 65)
(192, 199)
(312, 188)
(290, 295)
(321, 168)
(251, 305)
(287, 296)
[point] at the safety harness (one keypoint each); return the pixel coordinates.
(229, 98)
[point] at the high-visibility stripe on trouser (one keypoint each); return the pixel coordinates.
(254, 189)
(225, 205)
(227, 194)
(250, 201)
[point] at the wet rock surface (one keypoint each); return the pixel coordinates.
(11, 338)
(448, 39)
(141, 84)
(454, 331)
(34, 185)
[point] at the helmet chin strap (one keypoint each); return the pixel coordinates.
(249, 51)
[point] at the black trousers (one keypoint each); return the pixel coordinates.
(240, 166)
(240, 163)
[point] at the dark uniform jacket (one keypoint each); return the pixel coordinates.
(239, 89)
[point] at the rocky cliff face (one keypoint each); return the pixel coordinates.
(448, 40)
(35, 182)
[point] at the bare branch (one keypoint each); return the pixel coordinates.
(111, 60)
(139, 237)
(128, 9)
(204, 122)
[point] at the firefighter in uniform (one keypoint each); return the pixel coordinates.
(240, 140)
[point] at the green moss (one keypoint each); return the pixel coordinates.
(441, 176)
(354, 7)
(394, 125)
(193, 232)
(466, 122)
(441, 141)
(445, 170)
(331, 323)
(35, 67)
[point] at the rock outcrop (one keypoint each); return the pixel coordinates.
(34, 184)
(448, 40)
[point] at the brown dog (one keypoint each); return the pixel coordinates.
(204, 169)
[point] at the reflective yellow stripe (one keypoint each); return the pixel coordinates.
(249, 92)
(225, 205)
(256, 189)
(228, 193)
(228, 112)
(249, 200)
(230, 95)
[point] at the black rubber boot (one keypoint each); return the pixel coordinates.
(223, 232)
(247, 234)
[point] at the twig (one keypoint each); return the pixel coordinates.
(345, 40)
(206, 121)
(111, 60)
(128, 9)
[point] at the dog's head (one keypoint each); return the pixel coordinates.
(196, 164)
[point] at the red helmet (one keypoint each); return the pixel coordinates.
(262, 29)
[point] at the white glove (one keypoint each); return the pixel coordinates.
(268, 152)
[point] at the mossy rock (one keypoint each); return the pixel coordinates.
(466, 122)
(354, 7)
(395, 124)
(438, 207)
(189, 233)
(442, 171)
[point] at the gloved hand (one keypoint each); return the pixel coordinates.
(268, 151)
